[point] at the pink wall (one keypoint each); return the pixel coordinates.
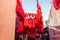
(7, 19)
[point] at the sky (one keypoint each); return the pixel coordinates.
(30, 6)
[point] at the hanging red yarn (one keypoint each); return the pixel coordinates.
(30, 23)
(56, 4)
(20, 16)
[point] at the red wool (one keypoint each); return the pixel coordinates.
(33, 24)
(20, 16)
(56, 4)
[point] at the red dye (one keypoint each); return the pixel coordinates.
(29, 23)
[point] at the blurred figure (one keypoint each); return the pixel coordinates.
(54, 20)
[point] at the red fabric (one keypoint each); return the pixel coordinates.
(19, 8)
(56, 4)
(20, 27)
(40, 21)
(31, 32)
(20, 16)
(32, 23)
